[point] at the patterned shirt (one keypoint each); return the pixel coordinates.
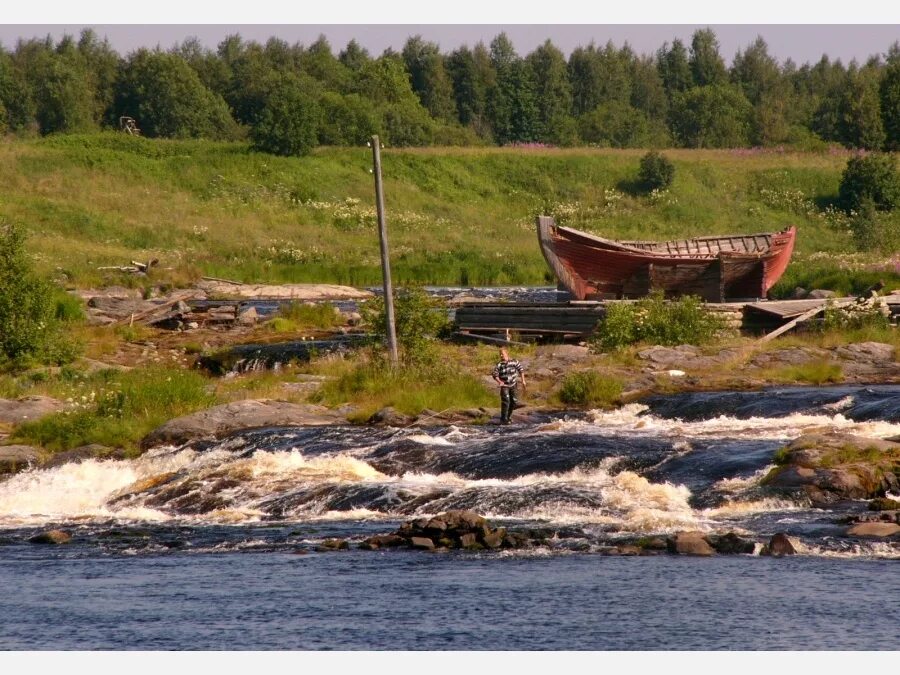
(508, 372)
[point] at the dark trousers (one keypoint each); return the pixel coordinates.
(508, 402)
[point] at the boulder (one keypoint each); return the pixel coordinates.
(51, 537)
(28, 409)
(390, 417)
(248, 316)
(867, 352)
(690, 543)
(884, 504)
(730, 544)
(495, 538)
(301, 292)
(799, 293)
(82, 453)
(224, 419)
(831, 467)
(821, 294)
(332, 545)
(874, 529)
(15, 458)
(780, 544)
(422, 542)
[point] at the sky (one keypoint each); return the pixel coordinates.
(802, 30)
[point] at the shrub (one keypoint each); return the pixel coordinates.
(419, 318)
(658, 321)
(590, 388)
(309, 315)
(871, 313)
(872, 231)
(29, 330)
(873, 178)
(288, 123)
(657, 171)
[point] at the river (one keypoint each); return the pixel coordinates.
(212, 545)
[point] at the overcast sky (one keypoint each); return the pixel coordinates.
(802, 43)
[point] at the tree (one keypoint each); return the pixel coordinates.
(872, 178)
(860, 124)
(648, 93)
(15, 96)
(889, 93)
(715, 116)
(102, 64)
(429, 77)
(599, 76)
(319, 63)
(619, 125)
(289, 121)
(674, 68)
(512, 107)
(553, 99)
(656, 171)
(353, 56)
(755, 71)
(213, 70)
(168, 99)
(346, 119)
(707, 66)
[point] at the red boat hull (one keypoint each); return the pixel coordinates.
(714, 268)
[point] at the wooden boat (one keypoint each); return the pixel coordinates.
(714, 268)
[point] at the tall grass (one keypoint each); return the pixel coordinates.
(456, 216)
(118, 408)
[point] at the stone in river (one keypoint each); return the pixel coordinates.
(690, 543)
(780, 544)
(423, 543)
(874, 530)
(51, 537)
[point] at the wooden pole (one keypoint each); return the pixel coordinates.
(385, 259)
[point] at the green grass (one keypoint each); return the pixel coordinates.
(118, 408)
(371, 386)
(815, 372)
(301, 316)
(455, 215)
(590, 388)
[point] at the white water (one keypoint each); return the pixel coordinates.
(629, 418)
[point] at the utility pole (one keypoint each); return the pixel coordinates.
(385, 259)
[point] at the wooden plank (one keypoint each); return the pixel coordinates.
(486, 338)
(790, 324)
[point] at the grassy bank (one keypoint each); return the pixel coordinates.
(456, 216)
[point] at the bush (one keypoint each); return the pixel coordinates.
(872, 231)
(871, 313)
(871, 178)
(657, 171)
(29, 330)
(288, 123)
(590, 388)
(658, 321)
(419, 318)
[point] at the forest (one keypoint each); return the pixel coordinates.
(288, 99)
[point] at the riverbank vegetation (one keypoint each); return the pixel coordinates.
(455, 216)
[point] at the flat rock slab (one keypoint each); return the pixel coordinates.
(284, 291)
(224, 419)
(683, 356)
(28, 409)
(15, 458)
(874, 530)
(867, 352)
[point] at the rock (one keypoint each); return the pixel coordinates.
(302, 292)
(799, 293)
(332, 545)
(82, 453)
(652, 544)
(494, 539)
(867, 352)
(422, 542)
(780, 544)
(834, 466)
(248, 316)
(690, 543)
(570, 352)
(821, 294)
(730, 544)
(792, 356)
(390, 417)
(224, 419)
(28, 409)
(468, 541)
(884, 504)
(15, 458)
(51, 537)
(874, 530)
(352, 318)
(629, 549)
(669, 356)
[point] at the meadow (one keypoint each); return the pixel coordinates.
(456, 216)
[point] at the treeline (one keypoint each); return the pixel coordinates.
(289, 98)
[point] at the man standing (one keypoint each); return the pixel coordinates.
(506, 373)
